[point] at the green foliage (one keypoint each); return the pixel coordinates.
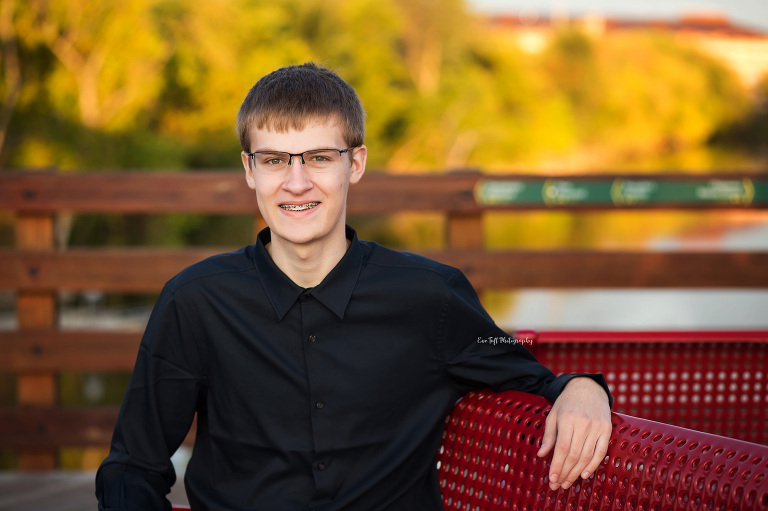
(661, 94)
(156, 83)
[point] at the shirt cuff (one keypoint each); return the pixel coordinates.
(560, 382)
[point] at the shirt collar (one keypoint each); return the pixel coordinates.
(334, 291)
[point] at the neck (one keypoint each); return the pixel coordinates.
(307, 265)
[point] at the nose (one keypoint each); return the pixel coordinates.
(296, 177)
(292, 156)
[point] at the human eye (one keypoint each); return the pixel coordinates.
(272, 160)
(321, 158)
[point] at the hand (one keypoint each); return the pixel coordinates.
(580, 422)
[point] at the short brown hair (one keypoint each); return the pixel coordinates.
(291, 96)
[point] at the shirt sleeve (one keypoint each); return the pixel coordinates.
(479, 354)
(155, 416)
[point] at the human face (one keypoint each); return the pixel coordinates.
(303, 207)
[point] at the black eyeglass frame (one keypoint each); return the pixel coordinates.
(252, 156)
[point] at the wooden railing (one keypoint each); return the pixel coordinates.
(37, 270)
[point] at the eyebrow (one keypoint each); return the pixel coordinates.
(270, 150)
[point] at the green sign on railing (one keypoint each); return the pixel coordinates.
(739, 192)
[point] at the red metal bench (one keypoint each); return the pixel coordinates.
(487, 462)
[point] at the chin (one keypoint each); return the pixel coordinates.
(299, 236)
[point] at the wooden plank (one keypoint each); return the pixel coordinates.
(146, 270)
(55, 350)
(387, 194)
(217, 192)
(128, 192)
(49, 428)
(582, 269)
(128, 270)
(224, 192)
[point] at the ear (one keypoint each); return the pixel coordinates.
(248, 171)
(359, 157)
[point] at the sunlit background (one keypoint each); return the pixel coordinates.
(550, 87)
(579, 86)
(498, 85)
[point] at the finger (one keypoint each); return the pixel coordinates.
(562, 448)
(550, 434)
(586, 455)
(601, 449)
(574, 457)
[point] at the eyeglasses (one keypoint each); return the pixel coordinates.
(316, 159)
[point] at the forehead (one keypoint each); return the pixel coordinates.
(314, 134)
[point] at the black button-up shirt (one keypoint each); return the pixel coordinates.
(326, 398)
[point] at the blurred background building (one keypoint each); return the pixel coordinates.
(742, 49)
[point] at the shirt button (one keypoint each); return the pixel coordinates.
(312, 337)
(319, 404)
(321, 466)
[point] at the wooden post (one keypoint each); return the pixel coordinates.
(465, 231)
(258, 224)
(36, 310)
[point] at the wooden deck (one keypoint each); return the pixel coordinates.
(57, 491)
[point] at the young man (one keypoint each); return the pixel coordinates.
(320, 366)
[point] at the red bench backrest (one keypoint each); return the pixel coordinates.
(713, 381)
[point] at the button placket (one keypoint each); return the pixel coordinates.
(316, 318)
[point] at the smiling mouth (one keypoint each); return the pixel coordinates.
(299, 207)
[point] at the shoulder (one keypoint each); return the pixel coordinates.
(406, 264)
(215, 268)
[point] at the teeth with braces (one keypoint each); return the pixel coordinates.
(298, 207)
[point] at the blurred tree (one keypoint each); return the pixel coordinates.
(220, 50)
(11, 70)
(110, 56)
(661, 95)
(433, 34)
(156, 83)
(376, 70)
(572, 66)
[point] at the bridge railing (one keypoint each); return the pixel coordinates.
(37, 270)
